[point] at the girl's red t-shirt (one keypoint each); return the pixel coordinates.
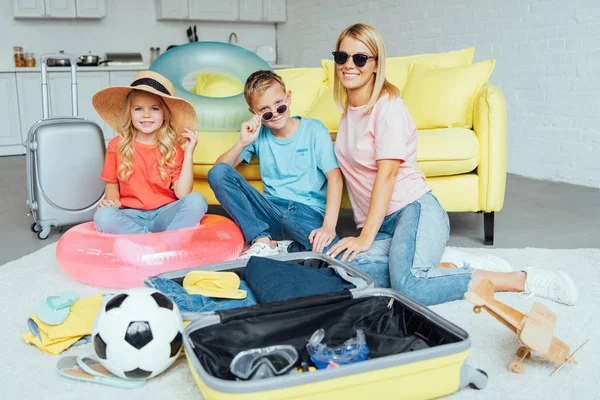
(145, 189)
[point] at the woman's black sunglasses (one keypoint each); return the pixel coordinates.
(360, 60)
(269, 114)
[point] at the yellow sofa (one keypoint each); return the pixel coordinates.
(461, 121)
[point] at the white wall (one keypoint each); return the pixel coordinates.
(548, 64)
(129, 26)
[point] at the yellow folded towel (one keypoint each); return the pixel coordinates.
(222, 285)
(54, 339)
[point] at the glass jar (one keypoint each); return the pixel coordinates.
(29, 60)
(19, 56)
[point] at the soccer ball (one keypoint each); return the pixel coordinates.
(138, 334)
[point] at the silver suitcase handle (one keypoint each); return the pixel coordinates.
(45, 102)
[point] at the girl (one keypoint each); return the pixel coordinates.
(404, 228)
(148, 175)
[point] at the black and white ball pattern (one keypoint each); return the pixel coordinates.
(138, 334)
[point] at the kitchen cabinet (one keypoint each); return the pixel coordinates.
(251, 10)
(10, 129)
(223, 10)
(274, 10)
(171, 9)
(90, 8)
(211, 10)
(262, 10)
(59, 93)
(122, 78)
(48, 9)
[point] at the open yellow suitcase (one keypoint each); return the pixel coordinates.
(414, 353)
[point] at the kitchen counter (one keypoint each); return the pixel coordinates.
(80, 69)
(105, 68)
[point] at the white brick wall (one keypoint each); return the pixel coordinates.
(548, 64)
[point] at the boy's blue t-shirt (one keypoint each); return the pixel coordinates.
(295, 168)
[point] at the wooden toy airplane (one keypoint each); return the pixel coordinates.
(535, 330)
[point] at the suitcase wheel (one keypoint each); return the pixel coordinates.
(43, 234)
(35, 227)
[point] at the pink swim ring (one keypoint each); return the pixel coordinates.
(124, 261)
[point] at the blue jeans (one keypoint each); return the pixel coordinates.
(406, 253)
(183, 213)
(258, 216)
(196, 302)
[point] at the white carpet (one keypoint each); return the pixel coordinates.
(27, 373)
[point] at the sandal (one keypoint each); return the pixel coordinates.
(55, 309)
(87, 369)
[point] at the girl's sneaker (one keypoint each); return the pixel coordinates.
(485, 262)
(554, 285)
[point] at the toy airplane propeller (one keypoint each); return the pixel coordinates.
(535, 330)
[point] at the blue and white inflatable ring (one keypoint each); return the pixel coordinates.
(187, 61)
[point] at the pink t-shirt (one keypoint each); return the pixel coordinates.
(388, 132)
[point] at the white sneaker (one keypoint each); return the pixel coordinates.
(553, 285)
(259, 249)
(485, 262)
(282, 245)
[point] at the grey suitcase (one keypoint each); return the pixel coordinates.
(64, 157)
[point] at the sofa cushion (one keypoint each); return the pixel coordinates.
(325, 110)
(444, 97)
(398, 68)
(212, 144)
(449, 151)
(306, 84)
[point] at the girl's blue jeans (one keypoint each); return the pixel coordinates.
(406, 253)
(183, 213)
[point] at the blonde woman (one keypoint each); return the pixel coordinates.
(148, 175)
(404, 228)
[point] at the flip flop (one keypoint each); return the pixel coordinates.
(55, 309)
(86, 369)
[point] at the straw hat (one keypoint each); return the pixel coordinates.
(109, 102)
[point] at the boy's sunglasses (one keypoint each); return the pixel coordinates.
(360, 60)
(267, 116)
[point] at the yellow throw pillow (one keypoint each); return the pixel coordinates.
(329, 67)
(443, 97)
(326, 111)
(398, 68)
(306, 84)
(217, 85)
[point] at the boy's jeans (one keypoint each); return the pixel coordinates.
(183, 213)
(407, 251)
(257, 216)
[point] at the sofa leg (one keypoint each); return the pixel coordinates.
(488, 228)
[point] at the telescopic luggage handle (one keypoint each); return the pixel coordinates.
(45, 102)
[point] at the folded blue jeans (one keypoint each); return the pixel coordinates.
(196, 302)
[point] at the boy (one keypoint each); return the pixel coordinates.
(301, 178)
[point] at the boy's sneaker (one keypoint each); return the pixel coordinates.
(485, 262)
(259, 249)
(553, 285)
(282, 245)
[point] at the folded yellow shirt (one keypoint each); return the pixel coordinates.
(222, 285)
(54, 339)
